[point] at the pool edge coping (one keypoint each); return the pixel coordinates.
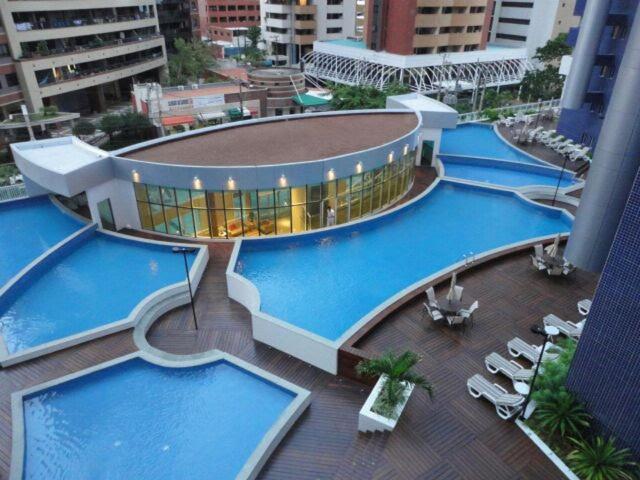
(259, 455)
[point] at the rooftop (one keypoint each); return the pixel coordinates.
(262, 142)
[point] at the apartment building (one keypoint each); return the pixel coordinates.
(10, 91)
(290, 27)
(79, 55)
(530, 23)
(226, 18)
(408, 27)
(175, 20)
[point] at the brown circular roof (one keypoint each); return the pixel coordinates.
(281, 141)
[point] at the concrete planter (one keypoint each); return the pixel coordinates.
(369, 421)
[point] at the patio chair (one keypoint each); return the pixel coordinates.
(567, 269)
(584, 306)
(569, 329)
(507, 404)
(434, 313)
(457, 292)
(556, 271)
(455, 320)
(511, 369)
(519, 348)
(431, 296)
(467, 314)
(538, 263)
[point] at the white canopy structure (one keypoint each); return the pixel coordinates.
(426, 74)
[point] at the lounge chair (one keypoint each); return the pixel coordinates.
(584, 306)
(580, 154)
(519, 348)
(511, 369)
(569, 329)
(434, 313)
(507, 404)
(431, 296)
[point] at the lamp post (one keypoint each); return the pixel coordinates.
(184, 251)
(555, 194)
(539, 111)
(546, 332)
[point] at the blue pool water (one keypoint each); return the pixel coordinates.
(136, 420)
(326, 282)
(503, 173)
(95, 282)
(481, 141)
(29, 228)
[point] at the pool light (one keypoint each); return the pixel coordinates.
(197, 183)
(359, 167)
(135, 176)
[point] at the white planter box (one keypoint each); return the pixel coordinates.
(369, 421)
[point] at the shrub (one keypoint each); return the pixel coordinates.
(599, 459)
(558, 413)
(397, 368)
(491, 114)
(83, 127)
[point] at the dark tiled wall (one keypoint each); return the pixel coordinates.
(605, 373)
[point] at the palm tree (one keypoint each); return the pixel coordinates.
(397, 369)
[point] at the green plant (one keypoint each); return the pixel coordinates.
(83, 127)
(553, 374)
(189, 62)
(491, 114)
(398, 372)
(49, 111)
(599, 459)
(559, 413)
(357, 97)
(42, 48)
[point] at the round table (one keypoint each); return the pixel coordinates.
(522, 388)
(451, 307)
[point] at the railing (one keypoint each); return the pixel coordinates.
(12, 192)
(481, 115)
(26, 26)
(34, 55)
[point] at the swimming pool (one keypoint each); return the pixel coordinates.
(29, 228)
(477, 140)
(138, 420)
(326, 282)
(507, 174)
(93, 281)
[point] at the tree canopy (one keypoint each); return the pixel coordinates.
(355, 97)
(546, 82)
(189, 62)
(553, 50)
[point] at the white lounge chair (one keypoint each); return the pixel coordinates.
(580, 154)
(563, 146)
(431, 296)
(584, 306)
(511, 369)
(434, 313)
(519, 348)
(569, 329)
(553, 142)
(507, 404)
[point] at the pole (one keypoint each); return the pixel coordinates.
(193, 307)
(535, 375)
(555, 194)
(241, 103)
(539, 110)
(27, 121)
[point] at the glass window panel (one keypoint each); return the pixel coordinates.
(267, 221)
(367, 179)
(154, 194)
(173, 222)
(283, 197)
(342, 212)
(343, 185)
(356, 183)
(198, 199)
(366, 201)
(183, 198)
(378, 175)
(298, 195)
(141, 191)
(266, 198)
(157, 215)
(168, 196)
(376, 199)
(356, 198)
(145, 216)
(250, 220)
(314, 193)
(329, 189)
(215, 200)
(234, 223)
(250, 199)
(299, 218)
(283, 223)
(218, 228)
(186, 222)
(232, 199)
(201, 218)
(314, 216)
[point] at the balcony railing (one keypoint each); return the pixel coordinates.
(79, 22)
(88, 48)
(524, 107)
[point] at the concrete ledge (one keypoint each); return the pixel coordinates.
(369, 421)
(254, 463)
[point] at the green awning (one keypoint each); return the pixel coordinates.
(309, 100)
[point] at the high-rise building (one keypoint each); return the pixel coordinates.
(78, 55)
(604, 373)
(226, 18)
(290, 27)
(597, 54)
(616, 157)
(10, 91)
(175, 20)
(530, 24)
(408, 27)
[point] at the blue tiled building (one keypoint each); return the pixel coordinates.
(583, 124)
(605, 373)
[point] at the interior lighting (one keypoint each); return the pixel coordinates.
(331, 174)
(390, 157)
(197, 183)
(283, 180)
(135, 176)
(359, 167)
(231, 183)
